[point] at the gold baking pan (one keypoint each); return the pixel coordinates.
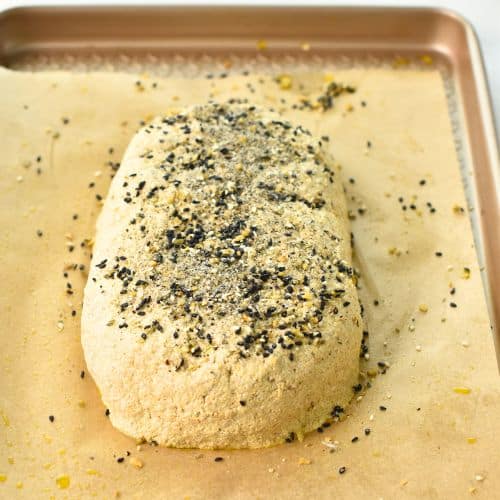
(427, 425)
(112, 37)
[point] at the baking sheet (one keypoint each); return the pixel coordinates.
(180, 41)
(437, 438)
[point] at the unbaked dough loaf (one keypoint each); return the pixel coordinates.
(220, 309)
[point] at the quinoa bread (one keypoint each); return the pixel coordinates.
(220, 309)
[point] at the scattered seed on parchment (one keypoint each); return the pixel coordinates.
(135, 462)
(462, 390)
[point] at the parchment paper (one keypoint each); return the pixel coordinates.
(439, 435)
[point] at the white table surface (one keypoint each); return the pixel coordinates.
(483, 14)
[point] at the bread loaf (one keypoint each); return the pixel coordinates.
(220, 309)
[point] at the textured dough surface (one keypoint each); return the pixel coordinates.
(220, 309)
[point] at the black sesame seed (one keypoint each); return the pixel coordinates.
(120, 460)
(354, 439)
(342, 470)
(51, 418)
(367, 431)
(382, 408)
(218, 459)
(107, 412)
(196, 352)
(82, 374)
(452, 304)
(243, 403)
